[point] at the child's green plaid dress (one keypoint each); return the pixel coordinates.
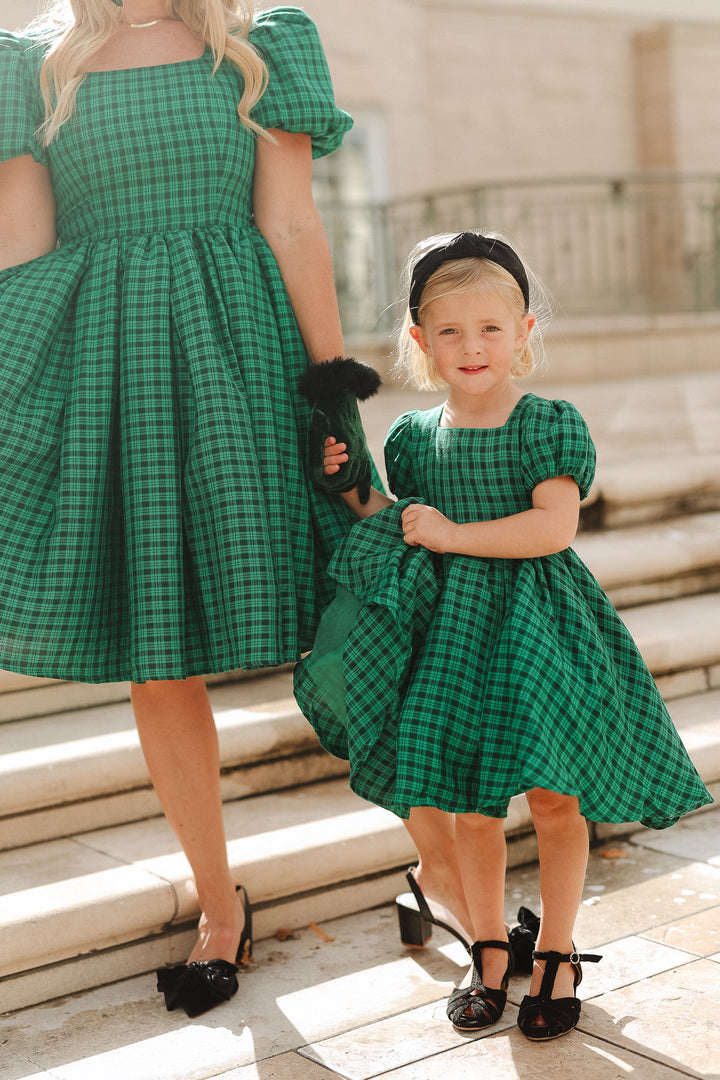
(155, 521)
(458, 682)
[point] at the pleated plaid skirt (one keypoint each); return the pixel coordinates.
(457, 682)
(155, 520)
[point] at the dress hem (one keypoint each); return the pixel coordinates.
(222, 667)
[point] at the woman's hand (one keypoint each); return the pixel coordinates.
(335, 455)
(424, 526)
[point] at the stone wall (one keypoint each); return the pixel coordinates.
(476, 90)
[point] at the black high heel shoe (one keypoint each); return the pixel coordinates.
(485, 1004)
(416, 919)
(560, 1015)
(522, 938)
(200, 985)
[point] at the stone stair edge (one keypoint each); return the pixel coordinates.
(50, 917)
(657, 477)
(675, 637)
(105, 764)
(142, 900)
(650, 551)
(276, 814)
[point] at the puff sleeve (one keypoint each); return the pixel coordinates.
(299, 96)
(399, 457)
(556, 442)
(20, 102)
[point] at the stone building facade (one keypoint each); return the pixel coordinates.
(545, 103)
(454, 92)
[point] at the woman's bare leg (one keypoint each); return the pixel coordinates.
(438, 872)
(179, 740)
(563, 850)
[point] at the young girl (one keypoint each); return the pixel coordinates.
(469, 654)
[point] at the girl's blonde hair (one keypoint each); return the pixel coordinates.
(78, 28)
(466, 276)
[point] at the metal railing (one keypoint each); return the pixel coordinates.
(635, 245)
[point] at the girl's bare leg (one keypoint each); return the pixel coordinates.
(179, 740)
(563, 849)
(482, 857)
(438, 872)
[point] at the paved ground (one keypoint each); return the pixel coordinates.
(350, 1001)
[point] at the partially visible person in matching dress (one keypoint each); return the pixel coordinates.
(164, 280)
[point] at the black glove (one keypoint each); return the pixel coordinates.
(333, 388)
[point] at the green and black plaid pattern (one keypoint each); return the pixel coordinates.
(465, 681)
(155, 520)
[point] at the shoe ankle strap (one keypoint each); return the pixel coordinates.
(493, 945)
(423, 906)
(568, 958)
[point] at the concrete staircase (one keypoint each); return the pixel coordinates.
(94, 886)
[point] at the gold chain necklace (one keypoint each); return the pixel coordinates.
(144, 25)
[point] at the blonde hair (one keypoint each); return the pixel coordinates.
(467, 276)
(78, 28)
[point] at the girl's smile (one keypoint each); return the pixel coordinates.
(472, 339)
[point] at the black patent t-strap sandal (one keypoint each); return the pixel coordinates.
(476, 1006)
(559, 1015)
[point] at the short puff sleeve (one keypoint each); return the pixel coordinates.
(399, 457)
(556, 442)
(299, 96)
(20, 101)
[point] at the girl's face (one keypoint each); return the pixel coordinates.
(472, 339)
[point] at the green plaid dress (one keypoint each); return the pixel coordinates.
(457, 682)
(149, 525)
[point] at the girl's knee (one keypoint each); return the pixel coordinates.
(478, 824)
(551, 806)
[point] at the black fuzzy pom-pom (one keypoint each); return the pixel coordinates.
(326, 382)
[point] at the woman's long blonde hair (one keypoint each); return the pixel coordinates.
(78, 28)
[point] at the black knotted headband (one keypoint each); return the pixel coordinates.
(466, 245)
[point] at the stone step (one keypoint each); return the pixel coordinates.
(62, 774)
(635, 565)
(655, 561)
(110, 903)
(88, 910)
(27, 696)
(666, 485)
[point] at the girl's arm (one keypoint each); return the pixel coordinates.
(549, 527)
(286, 215)
(335, 455)
(27, 211)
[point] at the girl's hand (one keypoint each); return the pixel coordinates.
(335, 455)
(424, 526)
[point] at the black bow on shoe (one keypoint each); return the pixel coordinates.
(523, 939)
(199, 986)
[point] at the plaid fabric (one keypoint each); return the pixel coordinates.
(149, 526)
(468, 680)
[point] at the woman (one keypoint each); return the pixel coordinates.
(148, 532)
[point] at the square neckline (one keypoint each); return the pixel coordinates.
(150, 67)
(498, 427)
